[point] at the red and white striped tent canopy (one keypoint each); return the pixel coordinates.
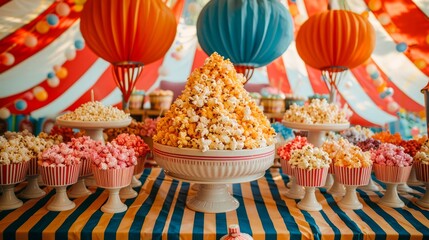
(26, 88)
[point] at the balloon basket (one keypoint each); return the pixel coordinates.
(8, 199)
(32, 190)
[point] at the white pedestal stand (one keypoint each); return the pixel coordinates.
(391, 198)
(61, 201)
(8, 199)
(32, 190)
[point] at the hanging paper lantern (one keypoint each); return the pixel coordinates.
(51, 75)
(7, 59)
(28, 95)
(374, 5)
(420, 63)
(324, 42)
(250, 33)
(30, 40)
(401, 47)
(79, 44)
(4, 113)
(61, 73)
(375, 75)
(52, 19)
(53, 82)
(42, 27)
(62, 9)
(388, 92)
(20, 105)
(70, 54)
(384, 19)
(129, 34)
(371, 68)
(40, 93)
(392, 107)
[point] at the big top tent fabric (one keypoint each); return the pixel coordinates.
(57, 72)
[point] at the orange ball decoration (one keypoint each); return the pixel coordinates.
(62, 73)
(42, 27)
(374, 5)
(420, 63)
(337, 38)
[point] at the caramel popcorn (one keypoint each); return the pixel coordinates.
(317, 112)
(215, 112)
(95, 111)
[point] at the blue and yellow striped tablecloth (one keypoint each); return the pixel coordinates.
(159, 212)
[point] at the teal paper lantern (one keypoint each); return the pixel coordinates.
(251, 33)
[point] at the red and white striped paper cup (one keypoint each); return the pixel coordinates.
(140, 165)
(391, 174)
(113, 178)
(310, 178)
(286, 168)
(13, 173)
(353, 176)
(331, 168)
(85, 168)
(422, 171)
(60, 175)
(33, 168)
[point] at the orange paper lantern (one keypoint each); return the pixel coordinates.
(129, 34)
(334, 41)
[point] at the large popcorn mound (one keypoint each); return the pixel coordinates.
(317, 112)
(95, 111)
(215, 112)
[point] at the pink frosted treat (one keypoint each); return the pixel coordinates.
(132, 141)
(391, 155)
(113, 156)
(59, 155)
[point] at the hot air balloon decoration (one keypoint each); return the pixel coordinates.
(129, 34)
(251, 33)
(335, 41)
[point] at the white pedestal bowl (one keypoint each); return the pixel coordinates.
(213, 169)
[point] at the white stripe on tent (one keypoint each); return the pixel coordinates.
(423, 6)
(17, 13)
(113, 98)
(401, 71)
(34, 69)
(361, 103)
(88, 79)
(297, 72)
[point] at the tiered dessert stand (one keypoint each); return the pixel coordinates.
(93, 129)
(213, 170)
(316, 136)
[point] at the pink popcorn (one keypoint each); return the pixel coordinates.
(297, 143)
(84, 146)
(134, 142)
(59, 155)
(113, 156)
(391, 155)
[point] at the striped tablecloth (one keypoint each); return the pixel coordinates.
(159, 212)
